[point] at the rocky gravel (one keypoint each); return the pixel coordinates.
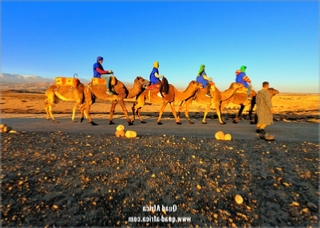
(80, 179)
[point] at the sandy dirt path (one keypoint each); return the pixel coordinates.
(292, 131)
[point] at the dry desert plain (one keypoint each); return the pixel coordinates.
(75, 174)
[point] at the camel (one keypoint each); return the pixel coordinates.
(241, 99)
(217, 97)
(66, 92)
(172, 95)
(91, 92)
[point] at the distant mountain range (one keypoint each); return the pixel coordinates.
(27, 82)
(18, 78)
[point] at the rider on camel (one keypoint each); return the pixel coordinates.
(242, 78)
(204, 79)
(155, 77)
(99, 72)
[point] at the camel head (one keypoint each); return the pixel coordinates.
(142, 82)
(273, 92)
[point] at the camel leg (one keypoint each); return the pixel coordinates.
(133, 112)
(87, 111)
(219, 113)
(181, 106)
(48, 106)
(50, 112)
(82, 112)
(186, 104)
(136, 109)
(164, 104)
(47, 111)
(139, 115)
(74, 110)
(112, 108)
(124, 109)
(175, 114)
(186, 113)
(222, 106)
(205, 114)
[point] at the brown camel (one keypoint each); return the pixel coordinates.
(121, 92)
(240, 98)
(172, 95)
(217, 96)
(66, 92)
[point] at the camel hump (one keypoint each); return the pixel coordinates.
(63, 81)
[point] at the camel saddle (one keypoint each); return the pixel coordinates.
(211, 88)
(242, 90)
(102, 81)
(98, 81)
(153, 87)
(63, 81)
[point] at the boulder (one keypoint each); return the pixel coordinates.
(120, 127)
(227, 137)
(4, 128)
(120, 133)
(219, 135)
(131, 134)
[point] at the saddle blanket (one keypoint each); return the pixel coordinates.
(152, 87)
(62, 81)
(98, 81)
(242, 90)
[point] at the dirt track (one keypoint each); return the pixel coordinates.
(293, 131)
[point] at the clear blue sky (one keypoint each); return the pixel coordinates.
(277, 41)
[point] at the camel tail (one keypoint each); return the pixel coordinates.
(164, 86)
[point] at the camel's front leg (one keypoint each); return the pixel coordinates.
(188, 103)
(204, 120)
(139, 115)
(48, 106)
(49, 113)
(87, 113)
(137, 108)
(177, 118)
(133, 112)
(219, 113)
(121, 102)
(164, 104)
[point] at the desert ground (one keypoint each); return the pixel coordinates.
(75, 174)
